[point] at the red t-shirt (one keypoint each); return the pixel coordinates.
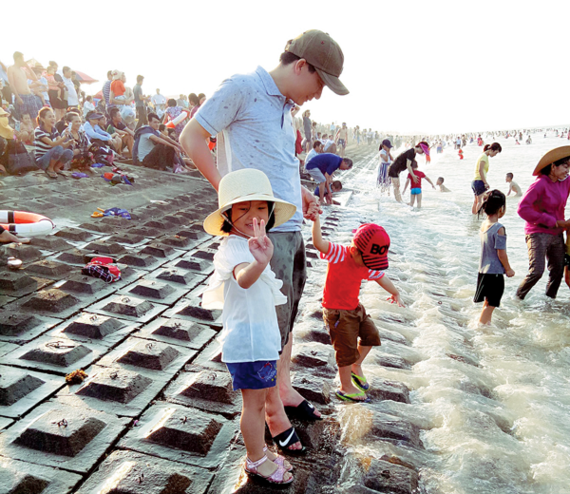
(344, 277)
(420, 175)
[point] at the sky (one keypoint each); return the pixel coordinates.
(411, 66)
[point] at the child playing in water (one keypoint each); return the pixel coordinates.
(245, 288)
(494, 261)
(344, 315)
(513, 186)
(416, 188)
(336, 186)
(439, 183)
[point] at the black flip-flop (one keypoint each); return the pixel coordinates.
(286, 439)
(303, 411)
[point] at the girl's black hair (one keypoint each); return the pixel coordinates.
(227, 226)
(493, 147)
(547, 169)
(493, 201)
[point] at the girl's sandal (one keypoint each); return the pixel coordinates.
(360, 382)
(51, 174)
(277, 477)
(279, 460)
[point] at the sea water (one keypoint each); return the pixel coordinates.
(492, 403)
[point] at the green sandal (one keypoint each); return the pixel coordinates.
(353, 397)
(360, 382)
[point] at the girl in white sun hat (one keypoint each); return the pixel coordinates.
(246, 289)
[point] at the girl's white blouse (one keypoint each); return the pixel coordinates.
(250, 329)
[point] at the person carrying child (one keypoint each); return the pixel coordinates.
(416, 187)
(245, 288)
(343, 314)
(494, 261)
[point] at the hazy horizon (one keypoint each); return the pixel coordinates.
(441, 67)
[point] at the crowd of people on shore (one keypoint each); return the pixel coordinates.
(260, 266)
(47, 122)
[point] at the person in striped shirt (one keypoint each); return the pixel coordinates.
(344, 316)
(52, 152)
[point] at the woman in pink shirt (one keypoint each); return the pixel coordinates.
(542, 207)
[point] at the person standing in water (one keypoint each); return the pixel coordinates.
(494, 263)
(384, 165)
(480, 184)
(252, 118)
(404, 161)
(542, 207)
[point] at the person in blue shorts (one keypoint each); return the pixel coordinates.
(416, 188)
(336, 186)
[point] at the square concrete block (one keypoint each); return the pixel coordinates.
(57, 355)
(178, 241)
(207, 390)
(113, 390)
(383, 476)
(105, 247)
(382, 389)
(50, 302)
(97, 226)
(25, 252)
(19, 327)
(128, 239)
(73, 256)
(155, 291)
(191, 309)
(146, 232)
(182, 434)
(74, 234)
(206, 254)
(161, 251)
(317, 357)
(86, 287)
(73, 438)
(49, 269)
(141, 261)
(312, 388)
(193, 264)
(149, 358)
(27, 478)
(51, 243)
(17, 284)
(177, 332)
(128, 307)
(87, 327)
(136, 473)
(394, 429)
(178, 277)
(192, 234)
(20, 389)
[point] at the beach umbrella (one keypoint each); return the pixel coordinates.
(84, 78)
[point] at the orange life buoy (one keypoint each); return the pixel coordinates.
(25, 223)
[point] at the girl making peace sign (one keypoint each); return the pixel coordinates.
(246, 289)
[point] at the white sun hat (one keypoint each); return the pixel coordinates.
(244, 185)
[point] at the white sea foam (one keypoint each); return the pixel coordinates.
(493, 403)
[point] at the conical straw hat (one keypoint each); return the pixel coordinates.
(550, 157)
(243, 185)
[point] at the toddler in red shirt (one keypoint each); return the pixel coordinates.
(344, 316)
(416, 187)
